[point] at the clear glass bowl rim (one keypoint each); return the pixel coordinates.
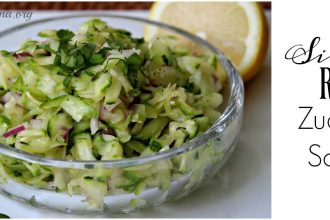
(235, 103)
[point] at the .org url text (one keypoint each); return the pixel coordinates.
(25, 15)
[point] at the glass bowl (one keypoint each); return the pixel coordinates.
(168, 175)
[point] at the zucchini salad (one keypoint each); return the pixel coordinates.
(101, 94)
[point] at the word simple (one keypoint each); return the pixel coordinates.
(299, 55)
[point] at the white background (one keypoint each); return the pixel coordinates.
(242, 189)
(299, 191)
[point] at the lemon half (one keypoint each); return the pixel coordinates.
(238, 29)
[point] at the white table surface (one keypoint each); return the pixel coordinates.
(242, 189)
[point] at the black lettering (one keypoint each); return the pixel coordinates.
(320, 57)
(5, 14)
(324, 82)
(28, 16)
(299, 47)
(293, 56)
(324, 160)
(298, 55)
(310, 109)
(315, 124)
(310, 150)
(18, 14)
(314, 42)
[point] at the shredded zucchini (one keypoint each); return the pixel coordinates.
(101, 94)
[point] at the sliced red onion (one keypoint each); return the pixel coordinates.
(105, 110)
(8, 95)
(112, 106)
(94, 125)
(19, 55)
(36, 123)
(16, 95)
(126, 113)
(11, 80)
(14, 131)
(103, 113)
(45, 42)
(65, 135)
